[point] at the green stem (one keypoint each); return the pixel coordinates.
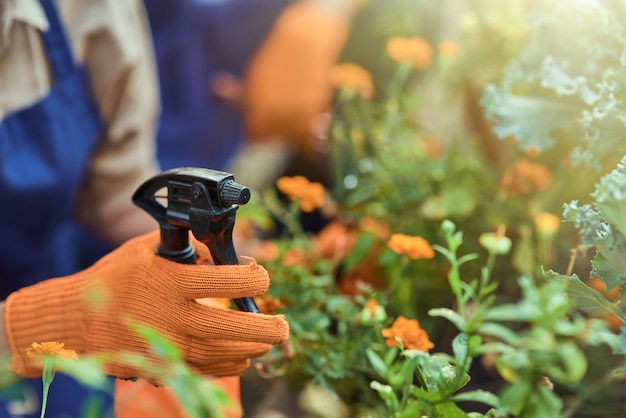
(46, 377)
(44, 401)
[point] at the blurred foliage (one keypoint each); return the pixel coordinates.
(523, 114)
(197, 395)
(568, 80)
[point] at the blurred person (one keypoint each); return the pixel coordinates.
(198, 45)
(78, 106)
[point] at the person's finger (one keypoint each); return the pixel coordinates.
(223, 369)
(208, 281)
(213, 323)
(199, 351)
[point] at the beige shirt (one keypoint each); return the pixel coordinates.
(112, 39)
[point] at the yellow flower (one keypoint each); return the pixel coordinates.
(547, 222)
(414, 247)
(414, 50)
(50, 349)
(449, 49)
(310, 195)
(351, 76)
(408, 331)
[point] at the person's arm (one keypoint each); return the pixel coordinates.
(286, 86)
(95, 311)
(117, 51)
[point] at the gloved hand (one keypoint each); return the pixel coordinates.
(92, 312)
(286, 86)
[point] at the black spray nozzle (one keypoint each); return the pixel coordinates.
(197, 199)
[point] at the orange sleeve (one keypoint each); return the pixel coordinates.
(141, 399)
(286, 83)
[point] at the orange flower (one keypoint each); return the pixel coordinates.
(353, 77)
(309, 194)
(524, 177)
(599, 285)
(408, 331)
(431, 146)
(335, 240)
(50, 349)
(266, 251)
(376, 227)
(547, 222)
(414, 247)
(449, 49)
(296, 257)
(268, 304)
(371, 305)
(415, 51)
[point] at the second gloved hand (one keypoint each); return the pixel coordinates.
(92, 312)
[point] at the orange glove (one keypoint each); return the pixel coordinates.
(286, 86)
(92, 311)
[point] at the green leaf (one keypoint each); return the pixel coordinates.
(598, 333)
(547, 116)
(386, 393)
(500, 332)
(610, 197)
(521, 312)
(450, 315)
(159, 344)
(571, 366)
(610, 266)
(449, 410)
(413, 409)
(87, 371)
(585, 298)
(460, 348)
(481, 396)
(377, 363)
(427, 397)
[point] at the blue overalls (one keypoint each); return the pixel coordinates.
(194, 40)
(44, 151)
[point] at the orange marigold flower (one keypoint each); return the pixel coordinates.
(449, 48)
(414, 247)
(310, 195)
(376, 227)
(414, 50)
(547, 222)
(524, 176)
(268, 304)
(353, 77)
(296, 257)
(335, 240)
(408, 331)
(266, 251)
(371, 305)
(50, 349)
